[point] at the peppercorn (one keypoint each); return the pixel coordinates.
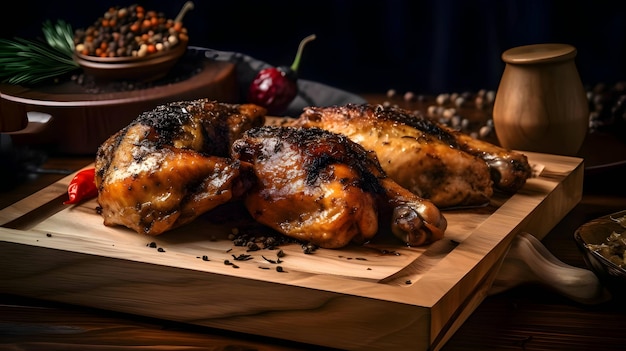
(130, 31)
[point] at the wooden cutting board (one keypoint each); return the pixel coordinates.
(382, 295)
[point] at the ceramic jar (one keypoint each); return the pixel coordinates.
(541, 104)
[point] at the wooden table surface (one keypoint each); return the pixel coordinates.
(528, 317)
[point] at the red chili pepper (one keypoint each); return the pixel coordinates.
(275, 87)
(82, 187)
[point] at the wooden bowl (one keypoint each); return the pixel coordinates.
(147, 68)
(596, 232)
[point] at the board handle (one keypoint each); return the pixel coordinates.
(528, 261)
(38, 130)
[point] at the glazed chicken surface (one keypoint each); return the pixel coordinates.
(322, 188)
(172, 164)
(431, 160)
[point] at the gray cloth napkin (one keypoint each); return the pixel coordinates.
(309, 93)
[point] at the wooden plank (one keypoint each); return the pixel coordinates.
(378, 296)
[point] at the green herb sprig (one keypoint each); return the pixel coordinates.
(59, 35)
(25, 61)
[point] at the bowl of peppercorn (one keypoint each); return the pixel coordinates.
(131, 43)
(145, 68)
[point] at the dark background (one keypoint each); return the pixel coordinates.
(370, 46)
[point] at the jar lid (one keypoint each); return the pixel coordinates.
(539, 53)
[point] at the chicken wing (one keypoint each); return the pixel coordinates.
(172, 164)
(322, 188)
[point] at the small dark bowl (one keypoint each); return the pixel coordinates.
(148, 68)
(596, 232)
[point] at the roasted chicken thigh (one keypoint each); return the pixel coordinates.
(431, 160)
(172, 164)
(322, 188)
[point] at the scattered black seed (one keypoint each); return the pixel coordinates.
(227, 262)
(280, 253)
(152, 245)
(280, 269)
(270, 241)
(253, 247)
(369, 269)
(48, 235)
(264, 267)
(237, 241)
(242, 257)
(256, 237)
(205, 258)
(229, 250)
(160, 249)
(361, 258)
(309, 248)
(234, 265)
(407, 282)
(388, 252)
(268, 260)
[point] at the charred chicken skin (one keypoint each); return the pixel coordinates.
(431, 160)
(172, 164)
(322, 188)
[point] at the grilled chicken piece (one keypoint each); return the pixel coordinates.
(431, 160)
(509, 169)
(417, 160)
(322, 188)
(172, 164)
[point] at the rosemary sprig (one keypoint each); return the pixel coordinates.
(59, 35)
(25, 61)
